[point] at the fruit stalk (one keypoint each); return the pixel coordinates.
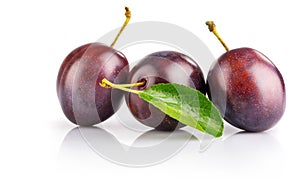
(128, 16)
(212, 28)
(107, 84)
(137, 84)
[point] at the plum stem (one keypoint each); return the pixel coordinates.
(107, 84)
(212, 28)
(128, 16)
(137, 84)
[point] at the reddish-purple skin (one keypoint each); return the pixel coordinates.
(162, 67)
(83, 101)
(248, 89)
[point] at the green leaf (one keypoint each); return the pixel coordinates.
(186, 105)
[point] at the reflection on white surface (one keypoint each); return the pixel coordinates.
(149, 148)
(251, 153)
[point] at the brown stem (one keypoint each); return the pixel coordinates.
(212, 28)
(128, 16)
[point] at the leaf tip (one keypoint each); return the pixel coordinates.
(220, 132)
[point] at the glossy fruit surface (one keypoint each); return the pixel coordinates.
(83, 101)
(162, 67)
(248, 89)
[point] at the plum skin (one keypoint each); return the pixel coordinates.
(248, 89)
(162, 67)
(82, 100)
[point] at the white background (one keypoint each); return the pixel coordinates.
(37, 35)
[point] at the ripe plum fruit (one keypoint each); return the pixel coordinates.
(247, 88)
(82, 100)
(162, 67)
